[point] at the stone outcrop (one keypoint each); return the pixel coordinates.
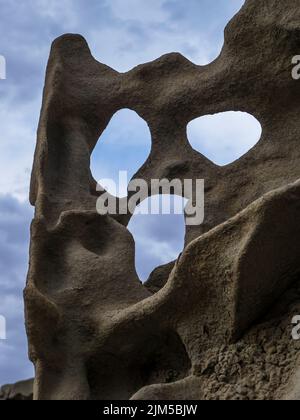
(21, 391)
(217, 323)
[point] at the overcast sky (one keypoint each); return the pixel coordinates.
(122, 34)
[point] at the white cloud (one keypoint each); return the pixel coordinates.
(9, 304)
(144, 30)
(18, 138)
(14, 243)
(63, 12)
(137, 10)
(127, 48)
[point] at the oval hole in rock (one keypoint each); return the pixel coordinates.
(223, 138)
(159, 238)
(123, 146)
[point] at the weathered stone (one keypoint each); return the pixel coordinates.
(95, 332)
(21, 391)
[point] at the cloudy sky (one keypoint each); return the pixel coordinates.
(122, 34)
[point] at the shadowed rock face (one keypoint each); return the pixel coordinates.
(221, 325)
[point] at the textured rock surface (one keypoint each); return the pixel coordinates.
(21, 391)
(221, 326)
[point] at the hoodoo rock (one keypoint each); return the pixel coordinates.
(217, 323)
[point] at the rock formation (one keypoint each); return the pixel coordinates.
(22, 391)
(217, 323)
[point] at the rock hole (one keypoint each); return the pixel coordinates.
(123, 147)
(223, 138)
(159, 238)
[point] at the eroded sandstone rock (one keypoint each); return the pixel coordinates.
(221, 325)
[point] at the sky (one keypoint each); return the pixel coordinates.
(121, 34)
